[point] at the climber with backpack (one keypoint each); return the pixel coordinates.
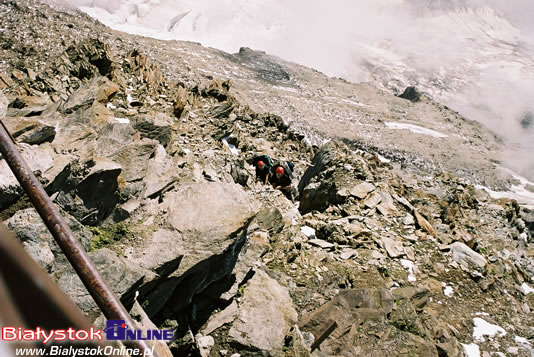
(281, 180)
(263, 166)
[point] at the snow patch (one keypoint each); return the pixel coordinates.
(517, 192)
(521, 340)
(415, 129)
(483, 328)
(123, 120)
(526, 289)
(447, 291)
(382, 158)
(471, 350)
(229, 146)
(308, 231)
(408, 264)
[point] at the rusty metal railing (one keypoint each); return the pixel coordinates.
(30, 298)
(69, 244)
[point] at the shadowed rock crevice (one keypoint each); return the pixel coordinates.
(170, 297)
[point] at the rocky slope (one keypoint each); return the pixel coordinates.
(145, 146)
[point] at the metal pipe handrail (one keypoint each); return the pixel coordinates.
(69, 244)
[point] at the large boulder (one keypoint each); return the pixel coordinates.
(467, 257)
(411, 93)
(99, 90)
(39, 159)
(207, 213)
(119, 273)
(322, 160)
(162, 170)
(369, 322)
(157, 126)
(202, 228)
(89, 191)
(266, 314)
(317, 196)
(31, 231)
(134, 158)
(33, 131)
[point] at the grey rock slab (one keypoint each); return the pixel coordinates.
(157, 249)
(386, 206)
(161, 172)
(99, 89)
(96, 195)
(119, 273)
(30, 230)
(361, 190)
(204, 345)
(404, 202)
(38, 158)
(322, 160)
(467, 257)
(393, 247)
(257, 244)
(266, 314)
(221, 318)
(134, 159)
(270, 219)
(308, 231)
(348, 254)
(157, 126)
(206, 213)
(32, 131)
(372, 200)
(3, 106)
(408, 220)
(321, 244)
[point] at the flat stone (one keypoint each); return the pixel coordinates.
(404, 202)
(266, 315)
(38, 158)
(348, 254)
(362, 189)
(526, 289)
(321, 243)
(217, 320)
(205, 344)
(423, 223)
(99, 89)
(467, 257)
(372, 200)
(408, 220)
(386, 206)
(394, 248)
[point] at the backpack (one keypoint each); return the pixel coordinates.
(289, 166)
(265, 158)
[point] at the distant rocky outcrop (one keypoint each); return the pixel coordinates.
(411, 93)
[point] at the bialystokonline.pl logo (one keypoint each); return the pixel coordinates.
(40, 335)
(116, 330)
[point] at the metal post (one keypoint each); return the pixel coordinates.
(69, 244)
